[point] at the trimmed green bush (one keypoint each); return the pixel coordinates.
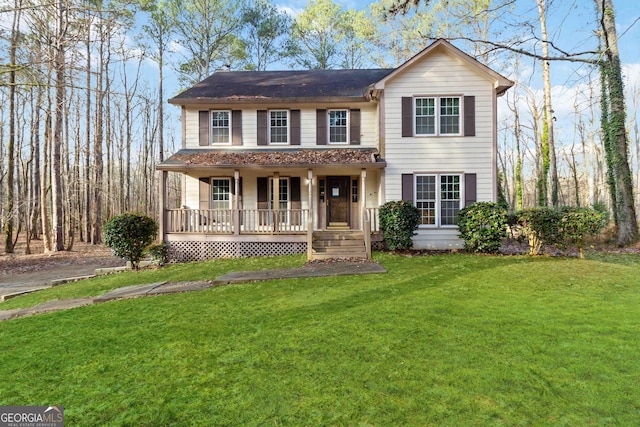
(482, 226)
(398, 222)
(129, 234)
(578, 223)
(541, 226)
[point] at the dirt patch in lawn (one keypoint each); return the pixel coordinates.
(41, 267)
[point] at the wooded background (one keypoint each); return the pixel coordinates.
(83, 88)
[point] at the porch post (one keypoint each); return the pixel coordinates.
(236, 203)
(162, 203)
(275, 195)
(366, 219)
(310, 216)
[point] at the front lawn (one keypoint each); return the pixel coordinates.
(439, 340)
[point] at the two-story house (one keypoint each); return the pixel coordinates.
(279, 162)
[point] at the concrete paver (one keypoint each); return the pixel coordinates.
(309, 270)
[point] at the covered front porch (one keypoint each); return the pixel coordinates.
(250, 209)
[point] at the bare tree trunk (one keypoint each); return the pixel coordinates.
(541, 175)
(59, 64)
(97, 190)
(548, 111)
(9, 222)
(35, 181)
(87, 148)
(44, 184)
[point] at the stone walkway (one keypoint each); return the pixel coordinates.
(309, 270)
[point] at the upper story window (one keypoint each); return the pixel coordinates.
(220, 127)
(338, 127)
(279, 127)
(437, 115)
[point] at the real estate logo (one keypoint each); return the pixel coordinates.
(31, 416)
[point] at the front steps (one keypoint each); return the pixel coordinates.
(338, 244)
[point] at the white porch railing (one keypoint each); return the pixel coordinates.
(219, 221)
(373, 214)
(290, 221)
(223, 221)
(252, 221)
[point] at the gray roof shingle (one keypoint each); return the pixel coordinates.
(277, 85)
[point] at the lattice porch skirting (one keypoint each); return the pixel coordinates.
(185, 251)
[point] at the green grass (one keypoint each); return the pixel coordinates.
(442, 340)
(209, 270)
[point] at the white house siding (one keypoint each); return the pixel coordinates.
(368, 124)
(441, 75)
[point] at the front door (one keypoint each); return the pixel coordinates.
(338, 200)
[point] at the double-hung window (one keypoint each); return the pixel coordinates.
(279, 127)
(221, 193)
(437, 115)
(438, 198)
(279, 199)
(338, 127)
(220, 127)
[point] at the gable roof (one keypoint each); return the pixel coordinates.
(269, 86)
(501, 83)
(317, 85)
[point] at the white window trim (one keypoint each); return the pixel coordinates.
(270, 190)
(348, 125)
(437, 99)
(211, 127)
(288, 127)
(221, 178)
(438, 204)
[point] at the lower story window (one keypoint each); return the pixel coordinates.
(282, 194)
(221, 193)
(438, 198)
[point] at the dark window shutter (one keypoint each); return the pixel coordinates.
(263, 193)
(469, 115)
(407, 187)
(354, 127)
(262, 127)
(205, 190)
(295, 188)
(470, 194)
(321, 127)
(236, 131)
(296, 204)
(407, 116)
(204, 126)
(295, 127)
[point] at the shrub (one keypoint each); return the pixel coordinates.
(398, 222)
(541, 226)
(482, 226)
(129, 234)
(578, 223)
(158, 253)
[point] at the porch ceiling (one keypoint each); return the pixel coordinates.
(193, 159)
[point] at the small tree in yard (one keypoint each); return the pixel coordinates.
(482, 226)
(129, 234)
(398, 221)
(578, 223)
